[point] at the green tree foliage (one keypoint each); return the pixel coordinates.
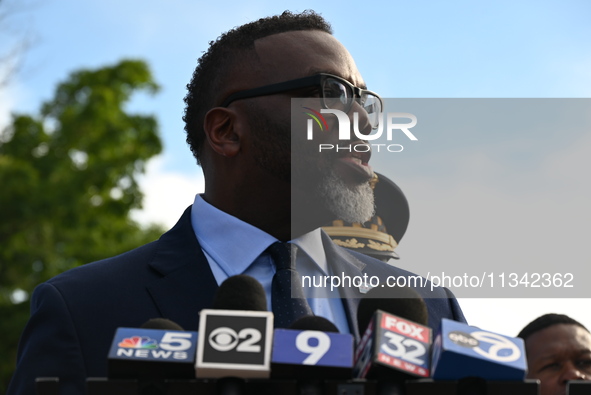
(68, 180)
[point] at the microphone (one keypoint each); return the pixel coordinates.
(401, 301)
(160, 349)
(396, 345)
(461, 350)
(235, 337)
(311, 350)
(468, 360)
(578, 387)
(161, 323)
(314, 323)
(240, 292)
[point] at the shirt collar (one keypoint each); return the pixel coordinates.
(234, 244)
(311, 244)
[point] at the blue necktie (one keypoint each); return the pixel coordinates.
(287, 296)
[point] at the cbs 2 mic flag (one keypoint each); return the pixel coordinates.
(234, 343)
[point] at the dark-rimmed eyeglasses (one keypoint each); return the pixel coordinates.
(336, 93)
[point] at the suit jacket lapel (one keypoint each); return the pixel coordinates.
(343, 263)
(187, 284)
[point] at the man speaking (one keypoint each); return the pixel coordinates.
(238, 127)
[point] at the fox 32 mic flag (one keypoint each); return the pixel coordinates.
(461, 350)
(234, 343)
(393, 346)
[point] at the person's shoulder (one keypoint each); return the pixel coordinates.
(122, 267)
(130, 266)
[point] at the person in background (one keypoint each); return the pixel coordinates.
(558, 349)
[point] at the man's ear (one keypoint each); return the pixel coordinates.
(222, 131)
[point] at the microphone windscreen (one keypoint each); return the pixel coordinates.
(161, 323)
(403, 302)
(240, 292)
(314, 323)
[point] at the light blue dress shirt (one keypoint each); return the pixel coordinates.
(234, 247)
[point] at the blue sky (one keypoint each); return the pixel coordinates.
(403, 49)
(419, 49)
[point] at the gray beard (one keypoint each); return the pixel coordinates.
(348, 204)
(345, 203)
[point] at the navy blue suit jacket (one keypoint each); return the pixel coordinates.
(74, 315)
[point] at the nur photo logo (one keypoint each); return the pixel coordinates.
(392, 125)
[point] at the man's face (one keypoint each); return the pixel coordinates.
(338, 179)
(557, 354)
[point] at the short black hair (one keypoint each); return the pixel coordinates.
(223, 55)
(546, 321)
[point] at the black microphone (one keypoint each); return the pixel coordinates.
(314, 323)
(401, 301)
(396, 345)
(240, 292)
(161, 323)
(160, 349)
(578, 387)
(312, 351)
(235, 336)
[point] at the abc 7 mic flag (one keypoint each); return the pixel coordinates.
(461, 350)
(234, 343)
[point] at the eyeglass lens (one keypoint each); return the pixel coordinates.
(339, 96)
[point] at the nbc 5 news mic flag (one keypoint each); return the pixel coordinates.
(152, 352)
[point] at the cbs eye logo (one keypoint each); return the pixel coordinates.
(226, 339)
